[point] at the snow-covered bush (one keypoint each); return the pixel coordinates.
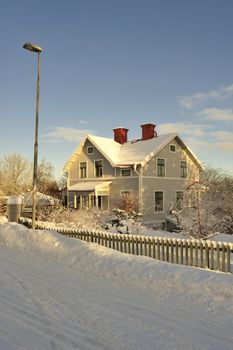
(125, 222)
(85, 219)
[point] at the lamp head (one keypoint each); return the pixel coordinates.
(32, 47)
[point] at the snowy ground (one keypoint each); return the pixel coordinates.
(62, 293)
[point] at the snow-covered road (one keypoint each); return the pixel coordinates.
(59, 293)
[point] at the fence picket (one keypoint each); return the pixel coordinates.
(207, 262)
(228, 258)
(223, 257)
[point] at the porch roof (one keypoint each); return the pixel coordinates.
(90, 186)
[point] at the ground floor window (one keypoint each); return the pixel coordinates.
(158, 201)
(179, 200)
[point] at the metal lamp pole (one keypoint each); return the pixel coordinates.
(35, 48)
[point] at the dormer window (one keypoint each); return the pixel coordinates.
(90, 150)
(173, 148)
(125, 172)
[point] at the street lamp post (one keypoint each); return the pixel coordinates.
(35, 48)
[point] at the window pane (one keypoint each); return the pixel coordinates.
(125, 172)
(160, 167)
(83, 169)
(90, 150)
(158, 201)
(183, 168)
(172, 148)
(179, 200)
(98, 168)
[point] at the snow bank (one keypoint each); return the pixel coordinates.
(102, 261)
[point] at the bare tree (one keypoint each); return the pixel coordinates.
(207, 205)
(15, 174)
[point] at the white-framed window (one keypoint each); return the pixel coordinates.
(179, 200)
(183, 168)
(126, 172)
(83, 170)
(99, 168)
(159, 199)
(90, 150)
(172, 148)
(161, 167)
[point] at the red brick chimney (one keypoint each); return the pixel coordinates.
(120, 135)
(148, 131)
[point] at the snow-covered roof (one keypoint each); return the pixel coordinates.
(89, 186)
(131, 152)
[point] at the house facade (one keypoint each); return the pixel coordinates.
(155, 168)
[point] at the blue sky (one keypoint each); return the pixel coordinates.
(111, 63)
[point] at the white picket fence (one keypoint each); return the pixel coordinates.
(199, 253)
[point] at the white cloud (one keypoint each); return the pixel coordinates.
(198, 98)
(217, 114)
(183, 128)
(226, 147)
(68, 134)
(221, 135)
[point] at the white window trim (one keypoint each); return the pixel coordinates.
(165, 167)
(184, 160)
(97, 160)
(90, 147)
(86, 169)
(171, 144)
(162, 211)
(125, 169)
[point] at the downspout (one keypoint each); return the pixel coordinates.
(140, 184)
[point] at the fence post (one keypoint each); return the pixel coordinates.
(125, 249)
(177, 252)
(196, 254)
(201, 254)
(136, 245)
(228, 258)
(211, 256)
(141, 246)
(217, 256)
(132, 238)
(149, 247)
(166, 244)
(181, 253)
(191, 252)
(154, 251)
(186, 253)
(145, 246)
(158, 248)
(162, 246)
(223, 257)
(129, 250)
(207, 263)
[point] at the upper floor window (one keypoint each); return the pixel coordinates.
(158, 201)
(160, 167)
(83, 170)
(173, 148)
(90, 150)
(183, 168)
(98, 168)
(125, 172)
